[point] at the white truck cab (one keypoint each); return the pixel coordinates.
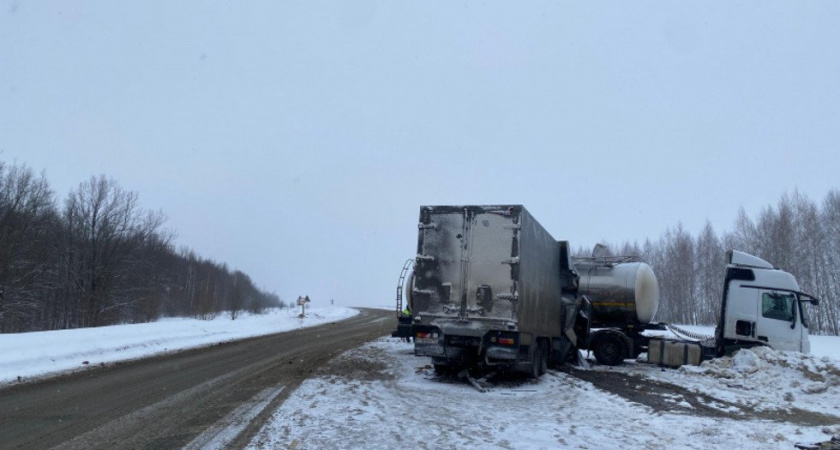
(762, 305)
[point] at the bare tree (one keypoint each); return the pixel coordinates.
(830, 223)
(107, 227)
(26, 207)
(678, 279)
(709, 269)
(744, 237)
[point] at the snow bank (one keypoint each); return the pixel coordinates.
(26, 355)
(767, 379)
(763, 378)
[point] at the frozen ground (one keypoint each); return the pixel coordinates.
(381, 396)
(27, 355)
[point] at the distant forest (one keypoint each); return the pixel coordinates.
(99, 259)
(796, 235)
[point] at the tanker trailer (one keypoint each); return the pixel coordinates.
(491, 290)
(624, 295)
(404, 308)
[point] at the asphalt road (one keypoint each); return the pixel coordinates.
(215, 397)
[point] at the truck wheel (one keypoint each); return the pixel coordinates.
(609, 351)
(539, 361)
(543, 358)
(535, 368)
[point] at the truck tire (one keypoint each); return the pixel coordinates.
(609, 350)
(534, 367)
(543, 357)
(539, 361)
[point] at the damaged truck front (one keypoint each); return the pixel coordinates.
(491, 290)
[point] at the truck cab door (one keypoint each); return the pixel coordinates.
(740, 310)
(777, 320)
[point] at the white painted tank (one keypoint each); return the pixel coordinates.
(625, 292)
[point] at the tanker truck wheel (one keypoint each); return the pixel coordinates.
(609, 350)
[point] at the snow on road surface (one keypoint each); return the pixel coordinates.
(27, 355)
(381, 396)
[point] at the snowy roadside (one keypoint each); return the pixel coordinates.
(27, 355)
(759, 379)
(381, 396)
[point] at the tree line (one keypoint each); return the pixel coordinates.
(100, 259)
(796, 235)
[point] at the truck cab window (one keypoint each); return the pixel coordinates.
(778, 306)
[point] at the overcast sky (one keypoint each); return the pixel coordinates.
(296, 140)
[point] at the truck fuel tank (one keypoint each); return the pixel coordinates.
(622, 290)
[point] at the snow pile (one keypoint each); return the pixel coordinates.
(764, 378)
(397, 401)
(745, 362)
(26, 355)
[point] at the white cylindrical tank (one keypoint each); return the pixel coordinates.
(620, 293)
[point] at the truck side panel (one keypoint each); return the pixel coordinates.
(540, 309)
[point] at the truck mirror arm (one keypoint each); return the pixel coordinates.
(812, 300)
(794, 307)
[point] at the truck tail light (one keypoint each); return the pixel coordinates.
(421, 335)
(506, 341)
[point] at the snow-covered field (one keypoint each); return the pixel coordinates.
(381, 396)
(28, 355)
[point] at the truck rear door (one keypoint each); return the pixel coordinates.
(437, 269)
(465, 261)
(490, 289)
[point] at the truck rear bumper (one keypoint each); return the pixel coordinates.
(499, 354)
(439, 351)
(433, 350)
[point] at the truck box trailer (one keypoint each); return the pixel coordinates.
(491, 288)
